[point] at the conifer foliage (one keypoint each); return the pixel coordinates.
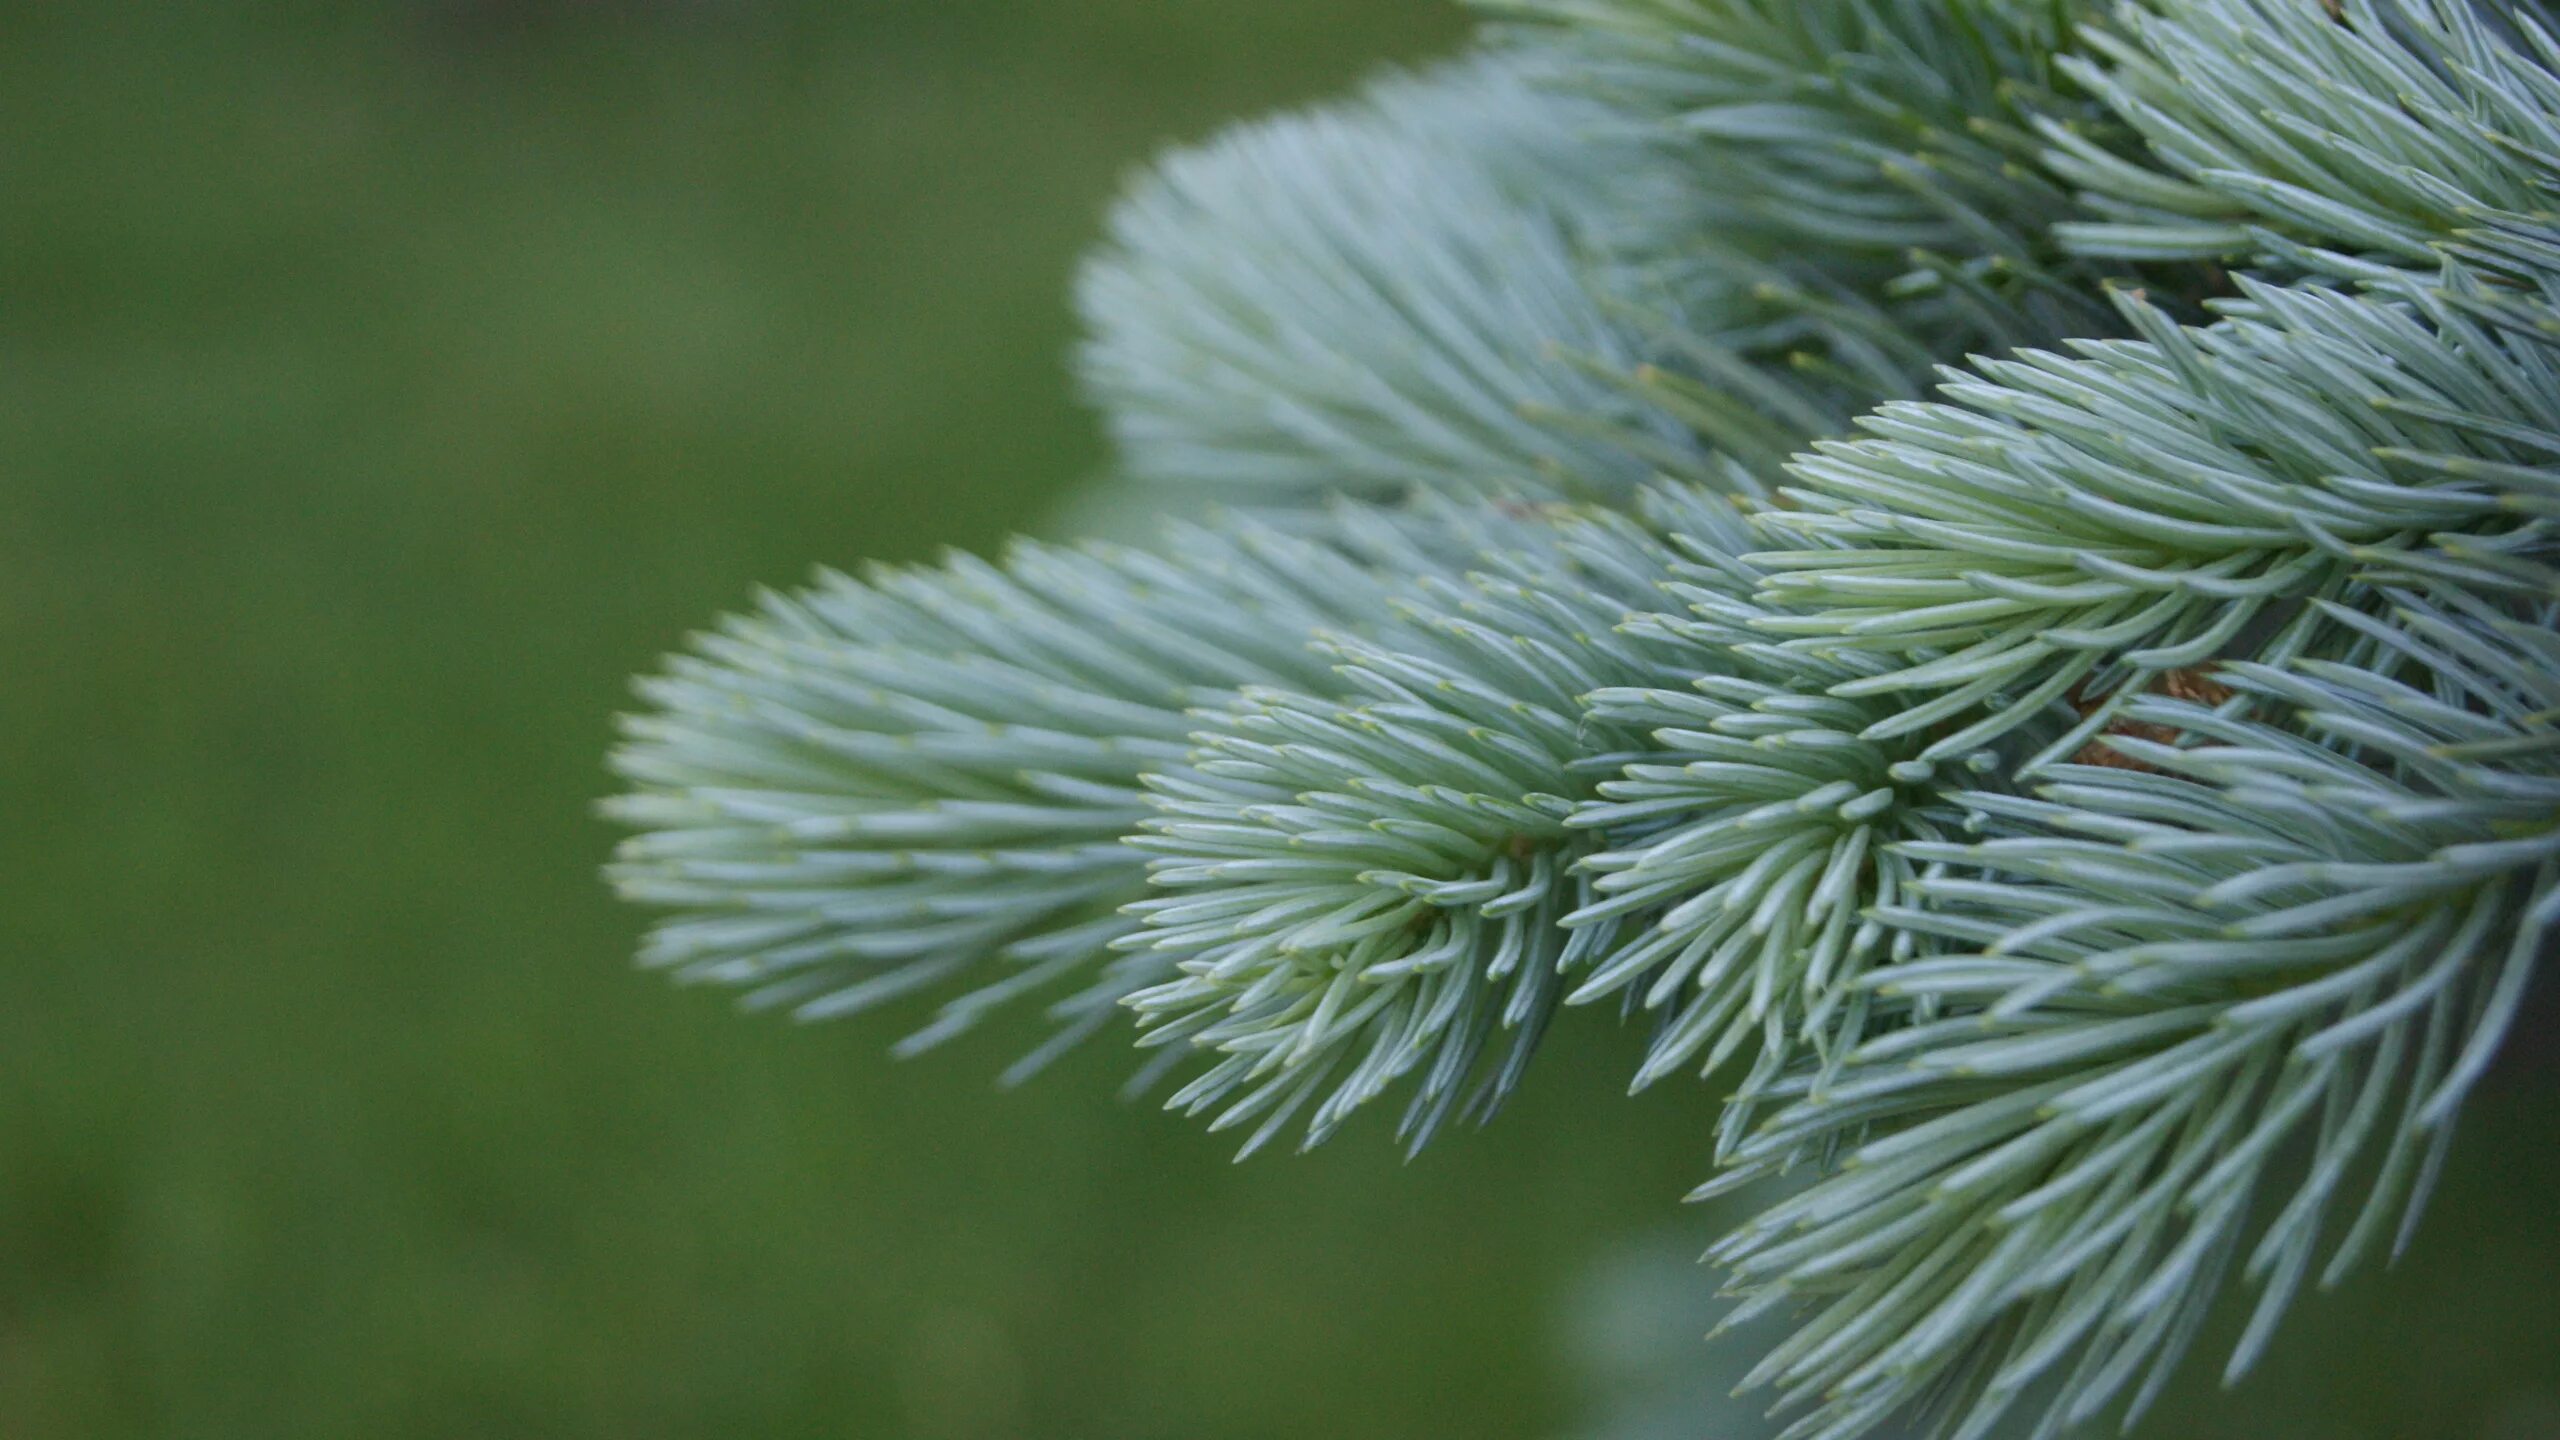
(1989, 569)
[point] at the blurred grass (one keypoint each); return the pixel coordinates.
(379, 388)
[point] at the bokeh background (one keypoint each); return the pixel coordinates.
(380, 386)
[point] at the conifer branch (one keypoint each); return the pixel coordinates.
(923, 778)
(1367, 889)
(2066, 525)
(2155, 980)
(1408, 290)
(2072, 809)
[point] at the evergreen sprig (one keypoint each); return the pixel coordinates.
(1750, 829)
(875, 787)
(2064, 525)
(2097, 820)
(1866, 190)
(2156, 979)
(2365, 141)
(1406, 289)
(1358, 890)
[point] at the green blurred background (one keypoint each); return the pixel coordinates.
(381, 385)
